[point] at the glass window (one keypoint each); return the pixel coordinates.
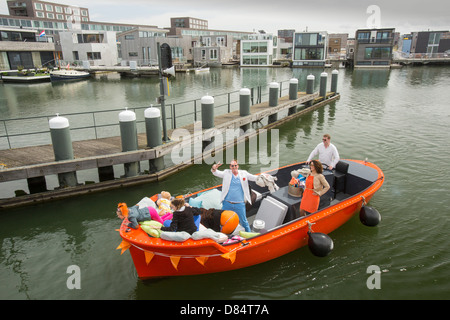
(246, 47)
(38, 6)
(48, 7)
(213, 54)
(58, 9)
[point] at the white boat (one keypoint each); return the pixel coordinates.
(201, 70)
(68, 74)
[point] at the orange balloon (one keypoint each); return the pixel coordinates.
(229, 221)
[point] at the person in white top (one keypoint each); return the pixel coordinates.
(328, 153)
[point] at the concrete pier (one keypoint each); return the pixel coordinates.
(106, 152)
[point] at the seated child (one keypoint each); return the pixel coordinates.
(136, 215)
(164, 210)
(183, 217)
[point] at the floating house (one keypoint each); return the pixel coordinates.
(310, 49)
(373, 48)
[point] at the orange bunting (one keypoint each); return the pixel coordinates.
(124, 246)
(201, 260)
(148, 256)
(230, 256)
(175, 260)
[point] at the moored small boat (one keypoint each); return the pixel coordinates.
(68, 75)
(351, 188)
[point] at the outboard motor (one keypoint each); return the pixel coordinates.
(320, 244)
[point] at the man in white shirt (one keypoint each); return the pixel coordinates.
(235, 191)
(328, 154)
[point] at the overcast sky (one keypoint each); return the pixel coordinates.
(334, 16)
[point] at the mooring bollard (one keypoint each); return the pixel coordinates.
(128, 134)
(62, 147)
(207, 119)
(273, 94)
(244, 102)
(310, 87)
(207, 112)
(293, 89)
(334, 80)
(154, 136)
(244, 106)
(293, 94)
(273, 99)
(323, 85)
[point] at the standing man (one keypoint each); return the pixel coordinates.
(235, 190)
(328, 154)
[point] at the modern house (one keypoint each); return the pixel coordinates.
(310, 49)
(99, 48)
(373, 47)
(24, 48)
(430, 43)
(140, 45)
(258, 50)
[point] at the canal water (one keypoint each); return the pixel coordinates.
(399, 119)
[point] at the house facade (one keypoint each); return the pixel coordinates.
(373, 47)
(258, 50)
(24, 48)
(98, 48)
(213, 50)
(310, 49)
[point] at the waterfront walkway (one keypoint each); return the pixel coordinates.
(39, 161)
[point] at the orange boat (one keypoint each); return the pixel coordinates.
(352, 185)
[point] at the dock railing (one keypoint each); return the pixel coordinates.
(33, 131)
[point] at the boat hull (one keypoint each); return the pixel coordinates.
(154, 257)
(73, 76)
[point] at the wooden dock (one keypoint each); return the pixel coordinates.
(39, 161)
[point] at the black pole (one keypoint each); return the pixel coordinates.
(161, 98)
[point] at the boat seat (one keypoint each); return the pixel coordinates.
(272, 212)
(340, 177)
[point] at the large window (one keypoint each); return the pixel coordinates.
(308, 54)
(363, 37)
(254, 47)
(377, 53)
(94, 55)
(309, 39)
(256, 60)
(90, 38)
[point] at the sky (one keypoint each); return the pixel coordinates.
(337, 16)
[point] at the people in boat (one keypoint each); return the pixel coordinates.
(136, 214)
(183, 217)
(315, 186)
(328, 153)
(235, 190)
(163, 203)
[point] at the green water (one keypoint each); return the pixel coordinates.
(397, 119)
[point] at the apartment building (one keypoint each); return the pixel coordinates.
(47, 10)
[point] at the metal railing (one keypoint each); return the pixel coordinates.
(34, 131)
